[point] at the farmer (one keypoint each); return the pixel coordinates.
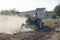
(35, 15)
(38, 21)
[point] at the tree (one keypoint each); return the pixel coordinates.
(56, 10)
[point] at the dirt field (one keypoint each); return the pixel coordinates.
(35, 35)
(10, 30)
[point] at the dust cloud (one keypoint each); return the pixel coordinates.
(10, 24)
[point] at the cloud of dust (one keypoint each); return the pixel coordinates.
(9, 24)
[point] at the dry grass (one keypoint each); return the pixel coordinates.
(50, 22)
(58, 37)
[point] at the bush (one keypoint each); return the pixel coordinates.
(54, 16)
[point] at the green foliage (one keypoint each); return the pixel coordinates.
(9, 12)
(54, 16)
(57, 10)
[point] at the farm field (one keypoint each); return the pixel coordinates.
(10, 29)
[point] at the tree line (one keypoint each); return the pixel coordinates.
(9, 12)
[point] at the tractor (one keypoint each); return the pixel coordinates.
(35, 21)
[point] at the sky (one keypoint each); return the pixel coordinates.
(26, 5)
